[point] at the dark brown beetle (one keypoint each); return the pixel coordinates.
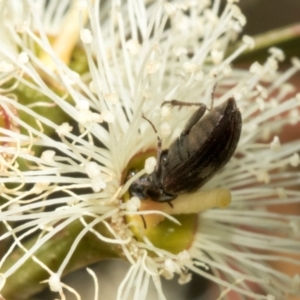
(203, 148)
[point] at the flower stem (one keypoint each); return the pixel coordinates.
(25, 282)
(287, 38)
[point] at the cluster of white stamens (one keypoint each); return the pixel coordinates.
(139, 56)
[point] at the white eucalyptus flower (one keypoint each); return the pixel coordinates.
(58, 168)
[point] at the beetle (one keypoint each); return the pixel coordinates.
(204, 146)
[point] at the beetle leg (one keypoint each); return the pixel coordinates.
(181, 103)
(198, 114)
(212, 97)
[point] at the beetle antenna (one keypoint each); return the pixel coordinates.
(159, 142)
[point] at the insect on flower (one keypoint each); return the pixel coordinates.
(202, 149)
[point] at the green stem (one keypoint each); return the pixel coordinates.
(287, 38)
(25, 282)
